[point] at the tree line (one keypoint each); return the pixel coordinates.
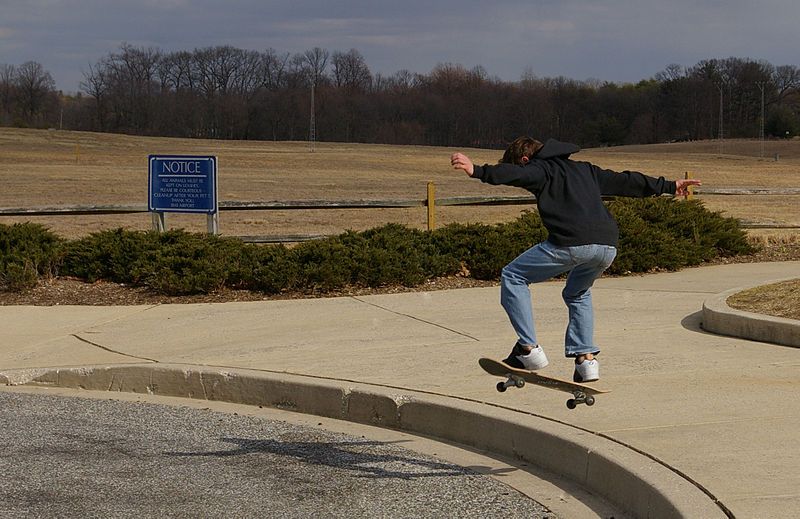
(225, 92)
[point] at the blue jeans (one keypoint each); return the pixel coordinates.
(584, 263)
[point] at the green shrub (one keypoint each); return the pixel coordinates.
(671, 234)
(715, 234)
(644, 247)
(27, 251)
(391, 254)
(325, 264)
(656, 233)
(273, 269)
(485, 250)
(18, 275)
(394, 254)
(114, 255)
(173, 262)
(185, 264)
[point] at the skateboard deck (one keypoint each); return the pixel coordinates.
(581, 393)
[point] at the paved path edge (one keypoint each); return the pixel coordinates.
(721, 319)
(630, 480)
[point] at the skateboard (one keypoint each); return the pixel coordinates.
(582, 394)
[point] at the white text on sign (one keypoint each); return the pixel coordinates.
(178, 167)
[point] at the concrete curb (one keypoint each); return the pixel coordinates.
(626, 478)
(719, 318)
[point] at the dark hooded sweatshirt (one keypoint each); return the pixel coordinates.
(569, 193)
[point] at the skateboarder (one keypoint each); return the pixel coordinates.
(582, 239)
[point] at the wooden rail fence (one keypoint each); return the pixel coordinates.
(430, 202)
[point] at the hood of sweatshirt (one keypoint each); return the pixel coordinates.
(553, 148)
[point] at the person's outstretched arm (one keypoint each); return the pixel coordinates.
(635, 184)
(529, 176)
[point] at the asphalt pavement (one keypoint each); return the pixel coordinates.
(77, 457)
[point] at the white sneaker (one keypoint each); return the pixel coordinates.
(533, 361)
(587, 371)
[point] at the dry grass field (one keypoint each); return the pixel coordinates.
(48, 167)
(778, 299)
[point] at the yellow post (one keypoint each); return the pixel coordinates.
(689, 192)
(431, 205)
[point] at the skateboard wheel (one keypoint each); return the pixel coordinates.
(589, 400)
(501, 387)
(571, 404)
(520, 383)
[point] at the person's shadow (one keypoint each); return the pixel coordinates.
(348, 455)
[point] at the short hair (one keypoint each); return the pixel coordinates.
(521, 147)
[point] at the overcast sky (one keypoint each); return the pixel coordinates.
(610, 40)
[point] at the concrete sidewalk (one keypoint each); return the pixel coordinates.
(720, 412)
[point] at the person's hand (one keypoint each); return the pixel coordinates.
(461, 161)
(682, 186)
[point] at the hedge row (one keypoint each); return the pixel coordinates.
(656, 233)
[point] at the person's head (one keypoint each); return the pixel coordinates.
(521, 150)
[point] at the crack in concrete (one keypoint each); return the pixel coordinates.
(462, 334)
(120, 317)
(104, 348)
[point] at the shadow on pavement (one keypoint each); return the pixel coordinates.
(694, 323)
(358, 456)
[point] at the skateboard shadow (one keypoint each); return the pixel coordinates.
(362, 457)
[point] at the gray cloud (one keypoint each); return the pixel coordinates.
(614, 40)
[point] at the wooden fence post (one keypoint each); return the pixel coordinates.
(690, 191)
(431, 206)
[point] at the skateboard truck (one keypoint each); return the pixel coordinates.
(580, 398)
(516, 381)
(513, 381)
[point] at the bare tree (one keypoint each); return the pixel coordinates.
(178, 71)
(34, 84)
(273, 70)
(447, 78)
(350, 71)
(96, 85)
(131, 76)
(7, 91)
(786, 80)
(248, 74)
(316, 61)
(137, 67)
(673, 72)
(213, 69)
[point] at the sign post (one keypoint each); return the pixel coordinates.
(183, 184)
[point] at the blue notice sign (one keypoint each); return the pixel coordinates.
(183, 183)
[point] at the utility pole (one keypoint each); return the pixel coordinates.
(761, 129)
(721, 119)
(312, 132)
